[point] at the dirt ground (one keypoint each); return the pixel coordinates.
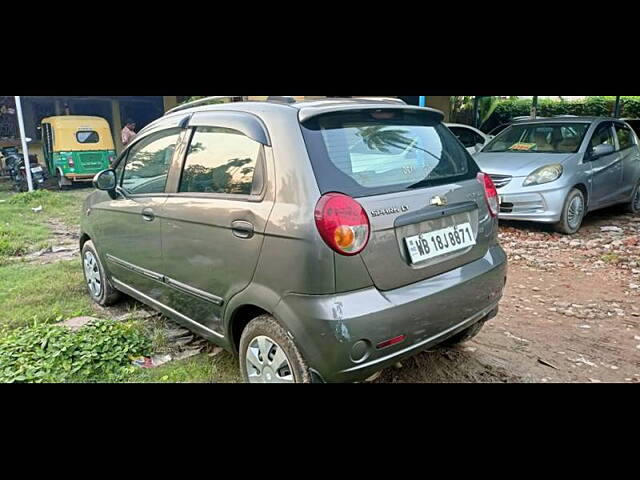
(570, 311)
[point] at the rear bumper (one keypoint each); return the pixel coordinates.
(338, 334)
(80, 177)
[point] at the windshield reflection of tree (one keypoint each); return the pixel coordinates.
(383, 137)
(232, 177)
(149, 164)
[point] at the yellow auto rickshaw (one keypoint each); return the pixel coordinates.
(76, 147)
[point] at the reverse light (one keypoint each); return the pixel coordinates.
(545, 174)
(490, 193)
(342, 223)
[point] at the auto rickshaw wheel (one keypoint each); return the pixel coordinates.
(59, 179)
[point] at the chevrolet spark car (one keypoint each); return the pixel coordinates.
(319, 241)
(555, 170)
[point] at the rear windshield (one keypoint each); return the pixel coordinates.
(87, 136)
(371, 152)
(539, 137)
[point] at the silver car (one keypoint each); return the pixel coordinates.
(317, 240)
(555, 170)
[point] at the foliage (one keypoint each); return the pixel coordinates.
(99, 351)
(592, 106)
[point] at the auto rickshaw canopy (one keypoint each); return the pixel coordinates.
(74, 133)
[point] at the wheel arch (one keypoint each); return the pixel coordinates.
(239, 319)
(585, 192)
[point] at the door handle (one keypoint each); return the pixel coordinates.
(148, 215)
(242, 229)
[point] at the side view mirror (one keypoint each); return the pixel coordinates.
(601, 150)
(105, 180)
(478, 147)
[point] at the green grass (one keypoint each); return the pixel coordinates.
(42, 293)
(223, 368)
(22, 230)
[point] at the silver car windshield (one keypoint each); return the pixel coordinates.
(539, 137)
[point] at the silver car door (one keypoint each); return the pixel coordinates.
(605, 170)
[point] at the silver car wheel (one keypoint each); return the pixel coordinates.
(266, 362)
(92, 274)
(574, 214)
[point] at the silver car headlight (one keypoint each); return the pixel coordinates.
(545, 174)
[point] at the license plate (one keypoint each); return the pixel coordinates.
(36, 169)
(438, 242)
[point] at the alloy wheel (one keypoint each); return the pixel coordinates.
(575, 212)
(92, 274)
(266, 362)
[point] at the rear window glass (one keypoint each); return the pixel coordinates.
(87, 136)
(371, 152)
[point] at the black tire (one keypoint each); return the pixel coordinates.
(107, 294)
(266, 325)
(464, 335)
(571, 220)
(634, 204)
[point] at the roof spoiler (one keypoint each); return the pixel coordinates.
(306, 113)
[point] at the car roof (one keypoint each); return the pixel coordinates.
(566, 118)
(303, 109)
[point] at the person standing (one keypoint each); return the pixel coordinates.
(128, 132)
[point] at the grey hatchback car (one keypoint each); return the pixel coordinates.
(555, 170)
(318, 241)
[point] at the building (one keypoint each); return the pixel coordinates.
(115, 109)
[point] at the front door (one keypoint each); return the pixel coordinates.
(606, 170)
(128, 228)
(213, 225)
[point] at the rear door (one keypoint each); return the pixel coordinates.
(214, 220)
(427, 210)
(630, 158)
(606, 170)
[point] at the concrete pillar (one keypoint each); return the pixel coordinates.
(442, 103)
(169, 102)
(116, 126)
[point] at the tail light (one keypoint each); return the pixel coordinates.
(70, 162)
(111, 159)
(490, 193)
(342, 223)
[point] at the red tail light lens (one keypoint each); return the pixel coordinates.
(490, 193)
(342, 223)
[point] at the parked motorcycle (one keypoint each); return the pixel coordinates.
(20, 181)
(10, 157)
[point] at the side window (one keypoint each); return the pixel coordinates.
(624, 136)
(467, 137)
(221, 160)
(602, 136)
(148, 161)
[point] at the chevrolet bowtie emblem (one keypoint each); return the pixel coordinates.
(438, 200)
